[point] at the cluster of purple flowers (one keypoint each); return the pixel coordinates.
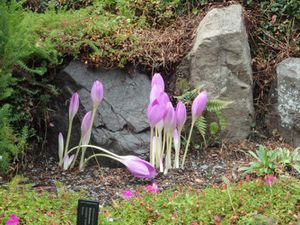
(167, 123)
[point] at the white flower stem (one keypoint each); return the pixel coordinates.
(169, 151)
(105, 155)
(68, 138)
(151, 146)
(187, 145)
(177, 151)
(76, 155)
(157, 157)
(163, 143)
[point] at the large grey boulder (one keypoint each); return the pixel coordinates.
(285, 112)
(120, 123)
(220, 60)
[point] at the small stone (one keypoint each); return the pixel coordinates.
(204, 167)
(200, 181)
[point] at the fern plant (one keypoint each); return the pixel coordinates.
(19, 44)
(214, 108)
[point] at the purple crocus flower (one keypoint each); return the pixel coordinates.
(155, 93)
(163, 98)
(138, 167)
(85, 126)
(170, 118)
(199, 104)
(155, 113)
(97, 93)
(159, 81)
(74, 105)
(86, 123)
(180, 114)
(67, 161)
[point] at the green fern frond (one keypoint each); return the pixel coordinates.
(216, 105)
(39, 70)
(201, 126)
(222, 121)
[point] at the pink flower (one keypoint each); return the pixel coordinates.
(270, 179)
(138, 167)
(13, 220)
(74, 105)
(127, 194)
(159, 81)
(180, 115)
(152, 188)
(85, 126)
(199, 104)
(67, 161)
(97, 93)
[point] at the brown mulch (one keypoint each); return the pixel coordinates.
(107, 184)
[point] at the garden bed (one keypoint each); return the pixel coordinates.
(104, 184)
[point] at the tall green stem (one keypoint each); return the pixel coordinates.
(187, 144)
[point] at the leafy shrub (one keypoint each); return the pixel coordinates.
(269, 161)
(11, 145)
(18, 47)
(242, 203)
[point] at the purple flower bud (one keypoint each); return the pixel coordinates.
(199, 104)
(67, 161)
(155, 113)
(155, 93)
(60, 146)
(138, 167)
(180, 114)
(163, 98)
(170, 118)
(86, 124)
(74, 105)
(159, 81)
(97, 93)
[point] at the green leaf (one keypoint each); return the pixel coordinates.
(201, 126)
(216, 105)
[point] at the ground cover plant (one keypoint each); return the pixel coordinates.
(247, 202)
(32, 207)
